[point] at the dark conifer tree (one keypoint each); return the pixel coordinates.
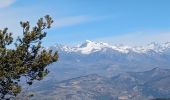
(27, 60)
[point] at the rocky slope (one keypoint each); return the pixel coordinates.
(130, 86)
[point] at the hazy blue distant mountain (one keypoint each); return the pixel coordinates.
(131, 86)
(99, 71)
(108, 60)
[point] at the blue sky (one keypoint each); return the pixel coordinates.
(129, 22)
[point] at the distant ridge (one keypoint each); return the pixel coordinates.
(90, 47)
(132, 86)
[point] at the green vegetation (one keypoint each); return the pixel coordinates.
(28, 60)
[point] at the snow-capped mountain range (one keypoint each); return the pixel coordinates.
(99, 68)
(120, 69)
(105, 59)
(89, 47)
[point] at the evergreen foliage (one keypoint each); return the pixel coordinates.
(27, 60)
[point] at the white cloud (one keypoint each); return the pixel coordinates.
(71, 21)
(138, 38)
(6, 3)
(76, 20)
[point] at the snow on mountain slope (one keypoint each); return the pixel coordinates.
(90, 47)
(108, 60)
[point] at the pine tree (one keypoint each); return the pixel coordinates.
(26, 60)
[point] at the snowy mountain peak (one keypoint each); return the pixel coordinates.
(90, 46)
(88, 41)
(91, 43)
